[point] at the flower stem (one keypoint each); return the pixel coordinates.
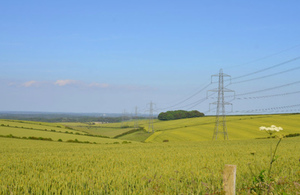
(273, 157)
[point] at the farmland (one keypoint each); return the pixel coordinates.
(239, 127)
(189, 163)
(49, 167)
(25, 129)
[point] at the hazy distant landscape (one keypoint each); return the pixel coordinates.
(64, 117)
(150, 97)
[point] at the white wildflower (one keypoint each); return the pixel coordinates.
(270, 130)
(262, 128)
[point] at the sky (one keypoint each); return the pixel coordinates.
(113, 56)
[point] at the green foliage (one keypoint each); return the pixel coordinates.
(262, 183)
(125, 126)
(140, 136)
(292, 135)
(40, 138)
(77, 141)
(179, 114)
(130, 132)
(30, 137)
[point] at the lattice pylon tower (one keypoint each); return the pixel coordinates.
(150, 127)
(123, 119)
(136, 125)
(220, 124)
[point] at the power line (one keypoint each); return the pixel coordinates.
(268, 68)
(263, 110)
(263, 96)
(270, 75)
(262, 70)
(268, 56)
(268, 89)
(268, 96)
(196, 103)
(243, 94)
(199, 91)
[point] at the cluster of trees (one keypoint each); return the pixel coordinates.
(179, 114)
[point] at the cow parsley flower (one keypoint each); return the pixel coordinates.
(270, 130)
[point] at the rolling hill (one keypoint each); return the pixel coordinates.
(182, 130)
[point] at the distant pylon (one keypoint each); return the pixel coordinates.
(150, 127)
(136, 125)
(123, 119)
(220, 124)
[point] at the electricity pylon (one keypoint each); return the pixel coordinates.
(150, 127)
(136, 125)
(220, 124)
(124, 116)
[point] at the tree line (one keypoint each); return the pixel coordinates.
(179, 114)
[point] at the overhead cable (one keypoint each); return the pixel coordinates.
(268, 68)
(268, 96)
(268, 56)
(272, 88)
(268, 109)
(186, 98)
(270, 75)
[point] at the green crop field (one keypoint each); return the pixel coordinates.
(179, 158)
(112, 129)
(53, 135)
(25, 129)
(40, 167)
(36, 125)
(238, 127)
(98, 130)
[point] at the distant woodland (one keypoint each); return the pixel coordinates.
(179, 114)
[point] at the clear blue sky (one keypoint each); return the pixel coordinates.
(107, 56)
